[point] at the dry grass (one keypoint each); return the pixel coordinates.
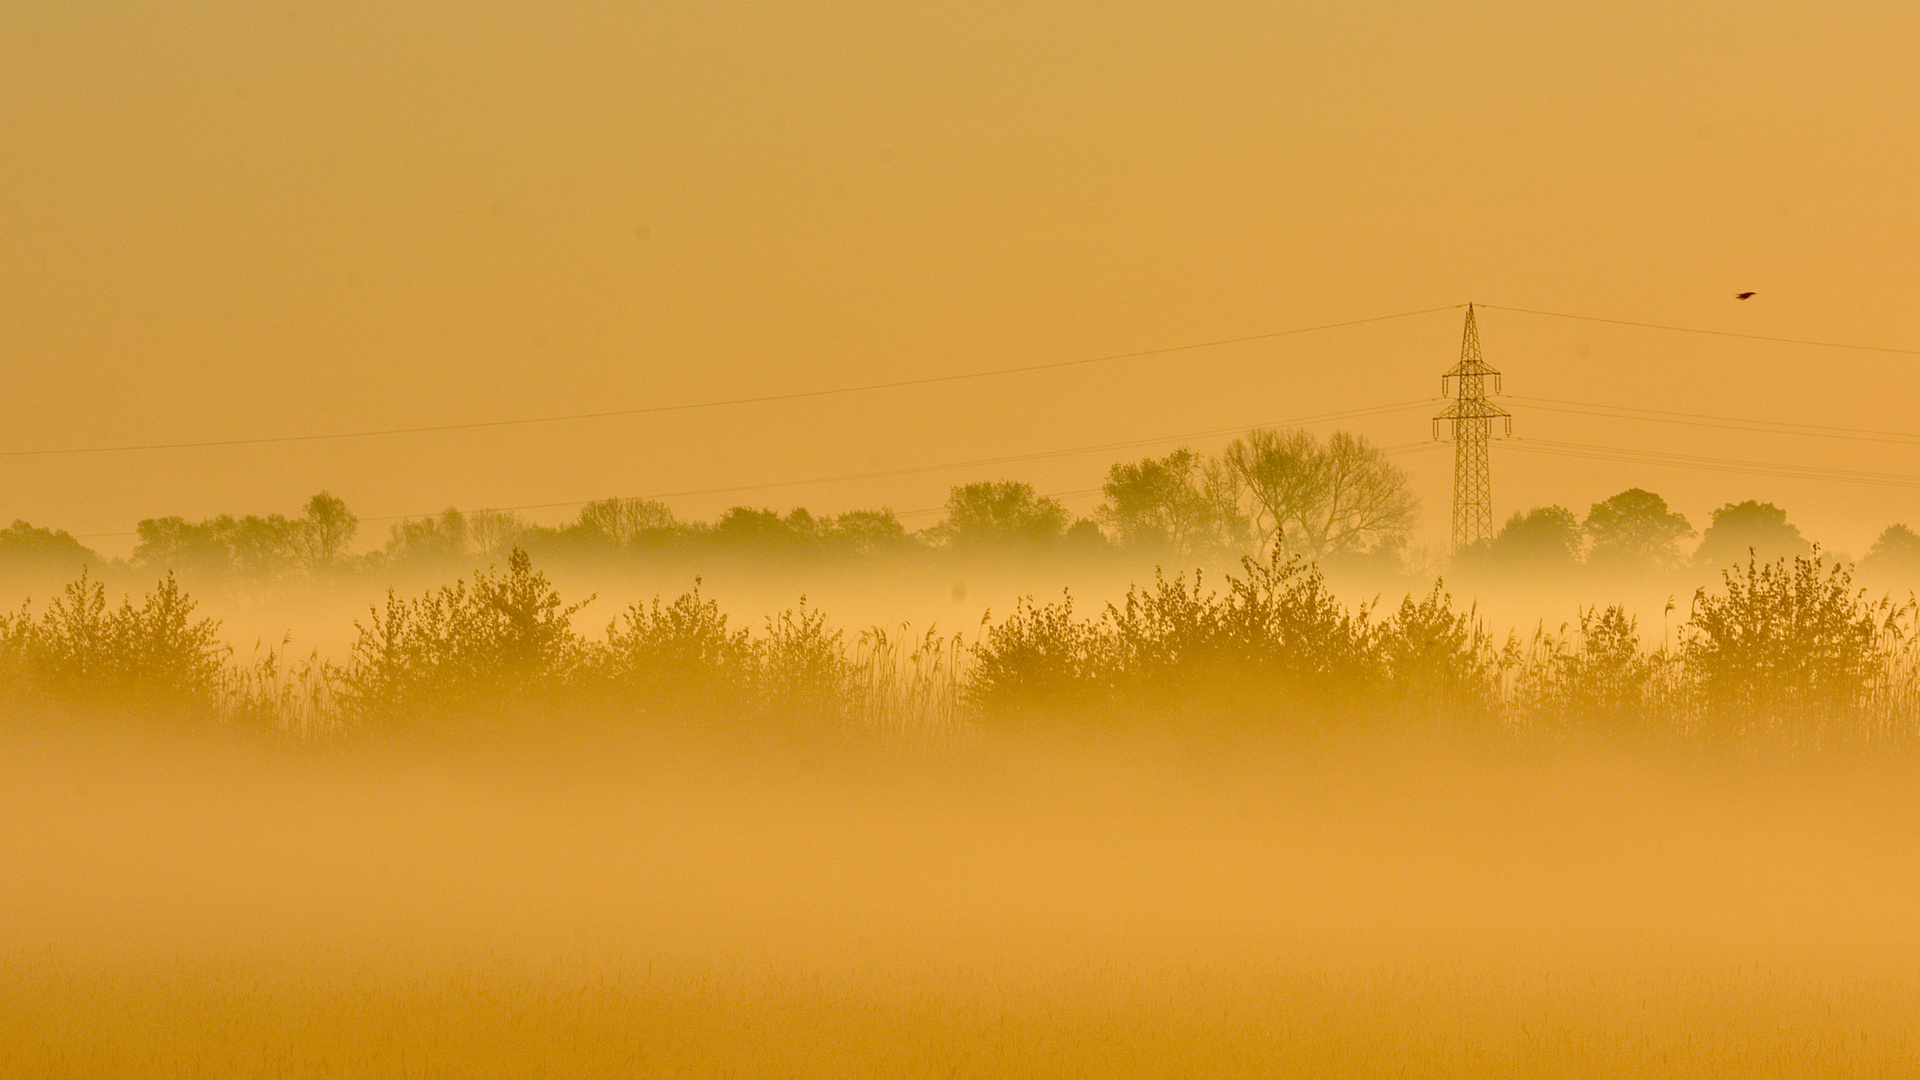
(997, 909)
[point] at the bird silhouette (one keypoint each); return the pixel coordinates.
(1743, 296)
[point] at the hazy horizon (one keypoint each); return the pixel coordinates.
(238, 222)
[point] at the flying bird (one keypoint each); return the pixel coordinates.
(1743, 296)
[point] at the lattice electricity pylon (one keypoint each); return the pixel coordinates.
(1472, 417)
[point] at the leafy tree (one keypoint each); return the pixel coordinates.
(1635, 532)
(1001, 513)
(27, 550)
(429, 541)
(1741, 530)
(494, 534)
(1544, 540)
(868, 533)
(767, 531)
(1084, 535)
(1163, 504)
(261, 546)
(1894, 556)
(200, 549)
(251, 546)
(1314, 499)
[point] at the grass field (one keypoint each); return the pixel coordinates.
(991, 909)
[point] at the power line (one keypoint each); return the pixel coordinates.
(798, 395)
(1712, 464)
(1347, 414)
(1727, 423)
(1713, 333)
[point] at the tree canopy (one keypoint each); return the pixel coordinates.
(1634, 531)
(1749, 530)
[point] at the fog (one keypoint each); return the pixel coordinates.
(998, 906)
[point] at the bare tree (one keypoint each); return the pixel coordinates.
(621, 520)
(494, 533)
(1315, 499)
(320, 537)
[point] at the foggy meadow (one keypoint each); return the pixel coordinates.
(1204, 809)
(862, 539)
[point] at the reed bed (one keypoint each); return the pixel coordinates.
(1786, 654)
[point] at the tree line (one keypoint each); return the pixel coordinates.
(1337, 501)
(1635, 533)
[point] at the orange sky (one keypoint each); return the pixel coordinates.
(228, 220)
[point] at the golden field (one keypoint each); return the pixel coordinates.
(996, 907)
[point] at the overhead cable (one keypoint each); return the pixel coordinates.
(645, 410)
(1698, 330)
(1710, 464)
(1316, 418)
(1709, 420)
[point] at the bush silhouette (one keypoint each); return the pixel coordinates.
(672, 658)
(1787, 647)
(502, 639)
(1595, 680)
(1276, 648)
(82, 651)
(1785, 653)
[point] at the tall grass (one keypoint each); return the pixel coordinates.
(1787, 653)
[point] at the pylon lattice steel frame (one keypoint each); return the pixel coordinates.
(1471, 416)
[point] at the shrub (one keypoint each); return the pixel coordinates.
(803, 671)
(682, 661)
(1788, 648)
(1596, 680)
(1278, 642)
(1275, 648)
(1041, 657)
(676, 657)
(81, 651)
(1437, 661)
(502, 640)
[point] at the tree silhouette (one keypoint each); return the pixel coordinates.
(1163, 504)
(1894, 556)
(429, 541)
(765, 530)
(1544, 540)
(321, 535)
(1635, 532)
(868, 533)
(27, 550)
(1001, 513)
(622, 521)
(1318, 500)
(1749, 528)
